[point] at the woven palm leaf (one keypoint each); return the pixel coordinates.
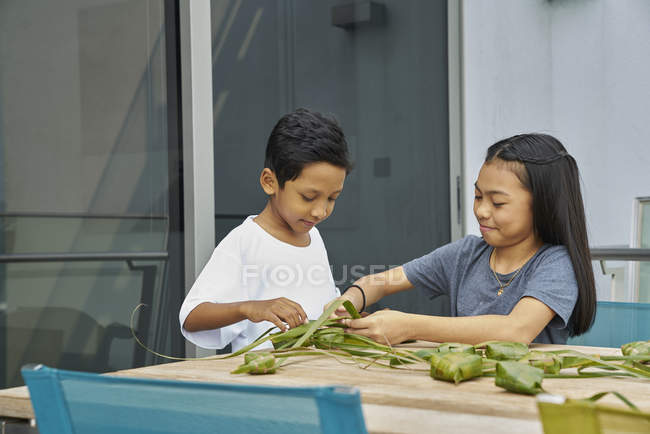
(638, 348)
(455, 367)
(455, 347)
(519, 377)
(257, 363)
(550, 363)
(499, 350)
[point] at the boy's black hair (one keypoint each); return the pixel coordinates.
(551, 175)
(303, 137)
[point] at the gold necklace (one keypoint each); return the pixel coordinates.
(501, 284)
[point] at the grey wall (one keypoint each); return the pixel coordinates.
(386, 82)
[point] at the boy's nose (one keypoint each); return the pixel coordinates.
(319, 212)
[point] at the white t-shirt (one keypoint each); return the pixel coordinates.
(251, 264)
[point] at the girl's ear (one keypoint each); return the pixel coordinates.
(269, 181)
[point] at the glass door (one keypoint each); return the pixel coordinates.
(89, 184)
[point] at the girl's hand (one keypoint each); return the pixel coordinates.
(278, 311)
(386, 327)
(355, 299)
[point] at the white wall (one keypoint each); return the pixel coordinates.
(579, 70)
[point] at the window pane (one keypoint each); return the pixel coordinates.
(85, 171)
(644, 267)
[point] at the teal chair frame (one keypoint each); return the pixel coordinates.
(616, 324)
(67, 402)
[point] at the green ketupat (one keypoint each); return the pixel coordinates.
(519, 377)
(573, 361)
(638, 348)
(257, 363)
(498, 350)
(550, 363)
(454, 347)
(455, 367)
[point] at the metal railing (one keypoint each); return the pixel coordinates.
(84, 257)
(83, 215)
(619, 254)
(149, 273)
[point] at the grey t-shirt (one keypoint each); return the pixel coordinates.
(462, 271)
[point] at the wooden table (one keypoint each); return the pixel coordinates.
(401, 401)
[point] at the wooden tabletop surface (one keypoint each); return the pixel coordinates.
(394, 400)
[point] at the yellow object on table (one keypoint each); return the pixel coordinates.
(584, 416)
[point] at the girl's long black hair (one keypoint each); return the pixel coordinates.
(553, 179)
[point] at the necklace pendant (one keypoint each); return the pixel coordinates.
(500, 292)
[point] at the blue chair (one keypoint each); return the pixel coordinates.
(67, 402)
(617, 324)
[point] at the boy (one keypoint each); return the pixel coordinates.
(273, 268)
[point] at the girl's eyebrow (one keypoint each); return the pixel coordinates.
(491, 191)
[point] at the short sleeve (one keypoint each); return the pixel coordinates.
(553, 283)
(431, 272)
(220, 281)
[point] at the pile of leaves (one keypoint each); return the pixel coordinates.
(513, 365)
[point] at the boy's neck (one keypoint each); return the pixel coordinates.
(274, 224)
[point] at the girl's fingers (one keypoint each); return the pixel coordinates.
(360, 323)
(341, 311)
(362, 332)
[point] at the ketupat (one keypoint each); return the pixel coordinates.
(500, 350)
(573, 361)
(455, 367)
(258, 363)
(550, 363)
(638, 348)
(455, 347)
(519, 377)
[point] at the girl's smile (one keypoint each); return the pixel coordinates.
(503, 209)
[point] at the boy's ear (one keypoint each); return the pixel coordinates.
(269, 181)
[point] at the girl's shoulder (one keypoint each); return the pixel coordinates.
(468, 247)
(554, 257)
(470, 244)
(554, 252)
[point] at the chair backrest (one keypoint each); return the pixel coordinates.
(617, 324)
(67, 402)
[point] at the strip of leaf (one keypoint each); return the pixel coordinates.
(316, 324)
(620, 396)
(635, 372)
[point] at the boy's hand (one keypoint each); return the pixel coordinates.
(278, 311)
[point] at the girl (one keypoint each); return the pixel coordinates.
(529, 277)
